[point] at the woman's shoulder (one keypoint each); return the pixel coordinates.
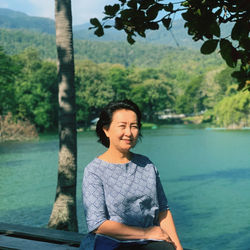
(142, 159)
(93, 166)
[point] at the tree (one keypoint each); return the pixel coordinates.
(192, 101)
(152, 96)
(35, 90)
(117, 78)
(232, 111)
(224, 79)
(92, 91)
(203, 19)
(8, 68)
(64, 215)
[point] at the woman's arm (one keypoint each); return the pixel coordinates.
(167, 225)
(122, 231)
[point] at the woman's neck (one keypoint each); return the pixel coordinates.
(113, 156)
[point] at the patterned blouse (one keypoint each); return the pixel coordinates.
(129, 193)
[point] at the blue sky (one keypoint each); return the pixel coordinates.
(82, 10)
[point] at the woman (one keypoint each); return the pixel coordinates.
(124, 202)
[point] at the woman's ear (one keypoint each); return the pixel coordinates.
(106, 130)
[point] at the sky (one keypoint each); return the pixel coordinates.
(82, 10)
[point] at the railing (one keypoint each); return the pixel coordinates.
(26, 237)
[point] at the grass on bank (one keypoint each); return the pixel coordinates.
(148, 125)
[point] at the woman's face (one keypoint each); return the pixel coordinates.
(123, 131)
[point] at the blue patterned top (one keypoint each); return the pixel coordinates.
(129, 193)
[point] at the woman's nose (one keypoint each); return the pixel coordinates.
(128, 131)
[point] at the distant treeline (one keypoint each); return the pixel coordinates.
(183, 83)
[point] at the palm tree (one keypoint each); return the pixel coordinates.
(63, 215)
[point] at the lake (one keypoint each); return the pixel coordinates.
(205, 174)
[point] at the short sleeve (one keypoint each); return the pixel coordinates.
(162, 199)
(93, 200)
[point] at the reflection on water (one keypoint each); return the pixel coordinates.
(205, 173)
(233, 175)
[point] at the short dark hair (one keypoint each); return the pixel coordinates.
(106, 116)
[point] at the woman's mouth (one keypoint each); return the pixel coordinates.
(127, 140)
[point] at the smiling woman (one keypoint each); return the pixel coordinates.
(124, 202)
(122, 133)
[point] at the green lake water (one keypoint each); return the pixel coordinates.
(205, 173)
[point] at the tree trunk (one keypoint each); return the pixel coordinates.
(63, 216)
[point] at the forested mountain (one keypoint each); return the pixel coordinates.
(176, 37)
(14, 41)
(140, 54)
(18, 20)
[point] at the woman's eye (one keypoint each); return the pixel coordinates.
(134, 126)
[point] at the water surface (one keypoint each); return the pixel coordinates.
(205, 174)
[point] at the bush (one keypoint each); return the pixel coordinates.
(233, 111)
(16, 130)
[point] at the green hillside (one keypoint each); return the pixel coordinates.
(18, 20)
(140, 54)
(177, 37)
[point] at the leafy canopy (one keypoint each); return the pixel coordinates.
(203, 20)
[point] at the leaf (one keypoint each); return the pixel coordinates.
(139, 19)
(107, 17)
(111, 10)
(215, 29)
(237, 74)
(226, 50)
(218, 12)
(142, 33)
(153, 11)
(245, 43)
(107, 26)
(99, 32)
(95, 22)
(236, 33)
(169, 7)
(225, 47)
(130, 39)
(185, 4)
(242, 77)
(166, 22)
(240, 30)
(187, 16)
(116, 8)
(209, 46)
(198, 12)
(127, 13)
(145, 4)
(132, 4)
(123, 1)
(118, 23)
(153, 25)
